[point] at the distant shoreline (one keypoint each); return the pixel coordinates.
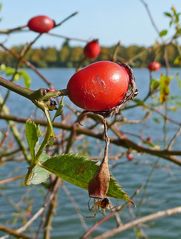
(70, 57)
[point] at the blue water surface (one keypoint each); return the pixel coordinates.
(164, 182)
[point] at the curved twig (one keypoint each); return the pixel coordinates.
(148, 218)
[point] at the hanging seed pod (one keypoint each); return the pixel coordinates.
(99, 184)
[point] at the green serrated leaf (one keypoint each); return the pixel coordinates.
(78, 170)
(26, 78)
(37, 174)
(32, 134)
(163, 33)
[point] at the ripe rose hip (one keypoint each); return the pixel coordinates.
(41, 24)
(100, 86)
(92, 49)
(130, 157)
(154, 66)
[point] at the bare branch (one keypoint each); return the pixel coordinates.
(150, 16)
(126, 143)
(13, 232)
(12, 179)
(148, 218)
(170, 144)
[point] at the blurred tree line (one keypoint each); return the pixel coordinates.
(71, 56)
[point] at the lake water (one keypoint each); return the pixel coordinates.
(163, 190)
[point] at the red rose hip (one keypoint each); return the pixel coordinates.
(92, 49)
(130, 157)
(100, 86)
(41, 24)
(154, 66)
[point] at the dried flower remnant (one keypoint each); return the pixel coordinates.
(99, 184)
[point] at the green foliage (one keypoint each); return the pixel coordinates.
(32, 132)
(17, 75)
(167, 14)
(50, 55)
(139, 102)
(175, 15)
(164, 87)
(177, 60)
(26, 78)
(139, 234)
(174, 18)
(154, 84)
(37, 174)
(78, 170)
(163, 33)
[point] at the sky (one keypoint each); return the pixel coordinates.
(108, 20)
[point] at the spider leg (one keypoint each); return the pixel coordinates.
(88, 204)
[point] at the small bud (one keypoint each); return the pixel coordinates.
(148, 140)
(52, 89)
(52, 104)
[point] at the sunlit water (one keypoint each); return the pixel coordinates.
(163, 190)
